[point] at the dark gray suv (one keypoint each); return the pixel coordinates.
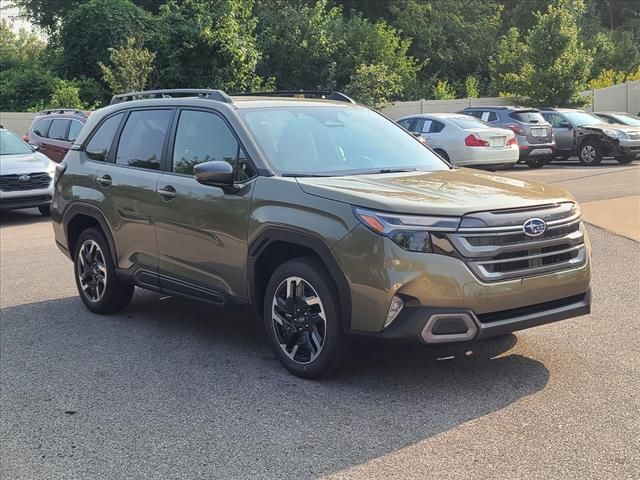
(533, 134)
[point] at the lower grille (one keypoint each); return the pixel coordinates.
(29, 181)
(26, 200)
(497, 248)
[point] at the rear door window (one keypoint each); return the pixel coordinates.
(100, 144)
(42, 128)
(58, 129)
(142, 139)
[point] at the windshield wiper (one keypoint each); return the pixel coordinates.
(386, 170)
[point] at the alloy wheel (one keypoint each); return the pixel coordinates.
(298, 320)
(92, 270)
(588, 154)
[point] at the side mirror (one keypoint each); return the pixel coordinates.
(100, 155)
(217, 173)
(565, 125)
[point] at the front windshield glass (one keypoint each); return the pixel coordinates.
(334, 140)
(11, 144)
(627, 119)
(582, 118)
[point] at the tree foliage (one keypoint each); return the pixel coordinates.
(130, 67)
(374, 85)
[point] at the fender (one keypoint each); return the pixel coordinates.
(298, 236)
(93, 212)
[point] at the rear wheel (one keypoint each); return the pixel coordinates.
(443, 154)
(301, 316)
(626, 159)
(99, 288)
(590, 153)
(536, 162)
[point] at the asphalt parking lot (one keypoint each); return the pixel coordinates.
(168, 389)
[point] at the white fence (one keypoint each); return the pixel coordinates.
(624, 97)
(17, 122)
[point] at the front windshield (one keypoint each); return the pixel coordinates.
(11, 144)
(627, 119)
(582, 118)
(335, 140)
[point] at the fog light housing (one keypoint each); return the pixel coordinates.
(394, 310)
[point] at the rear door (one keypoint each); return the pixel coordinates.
(202, 229)
(127, 185)
(56, 145)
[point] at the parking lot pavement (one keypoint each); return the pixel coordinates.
(169, 389)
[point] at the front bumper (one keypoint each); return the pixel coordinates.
(436, 326)
(629, 147)
(18, 200)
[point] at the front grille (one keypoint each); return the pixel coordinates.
(26, 200)
(29, 181)
(496, 248)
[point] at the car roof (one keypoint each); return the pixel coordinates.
(612, 113)
(502, 107)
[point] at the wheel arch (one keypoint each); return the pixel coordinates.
(299, 243)
(80, 216)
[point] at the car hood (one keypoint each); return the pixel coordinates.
(27, 163)
(612, 126)
(444, 192)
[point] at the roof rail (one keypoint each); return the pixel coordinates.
(63, 110)
(206, 93)
(323, 94)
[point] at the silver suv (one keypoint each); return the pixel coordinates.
(533, 134)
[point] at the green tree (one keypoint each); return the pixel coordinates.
(130, 67)
(471, 87)
(207, 43)
(506, 67)
(91, 29)
(443, 91)
(66, 94)
(374, 85)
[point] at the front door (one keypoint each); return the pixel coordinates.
(127, 189)
(202, 229)
(562, 131)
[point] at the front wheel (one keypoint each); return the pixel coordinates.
(626, 159)
(302, 318)
(590, 153)
(98, 286)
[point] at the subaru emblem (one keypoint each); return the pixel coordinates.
(24, 178)
(534, 227)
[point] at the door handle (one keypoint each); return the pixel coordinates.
(167, 192)
(104, 180)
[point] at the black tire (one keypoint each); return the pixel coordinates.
(288, 333)
(443, 154)
(536, 162)
(590, 153)
(115, 294)
(626, 159)
(45, 210)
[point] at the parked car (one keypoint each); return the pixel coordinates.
(26, 176)
(590, 138)
(463, 140)
(533, 133)
(622, 118)
(54, 131)
(323, 215)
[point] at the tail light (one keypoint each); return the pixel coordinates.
(474, 141)
(515, 128)
(511, 141)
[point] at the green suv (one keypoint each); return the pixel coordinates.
(328, 218)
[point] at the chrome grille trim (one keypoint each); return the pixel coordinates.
(500, 251)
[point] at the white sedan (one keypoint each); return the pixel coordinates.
(463, 140)
(26, 176)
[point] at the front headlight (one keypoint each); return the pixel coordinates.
(614, 133)
(410, 232)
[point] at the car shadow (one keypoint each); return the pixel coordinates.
(25, 216)
(174, 389)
